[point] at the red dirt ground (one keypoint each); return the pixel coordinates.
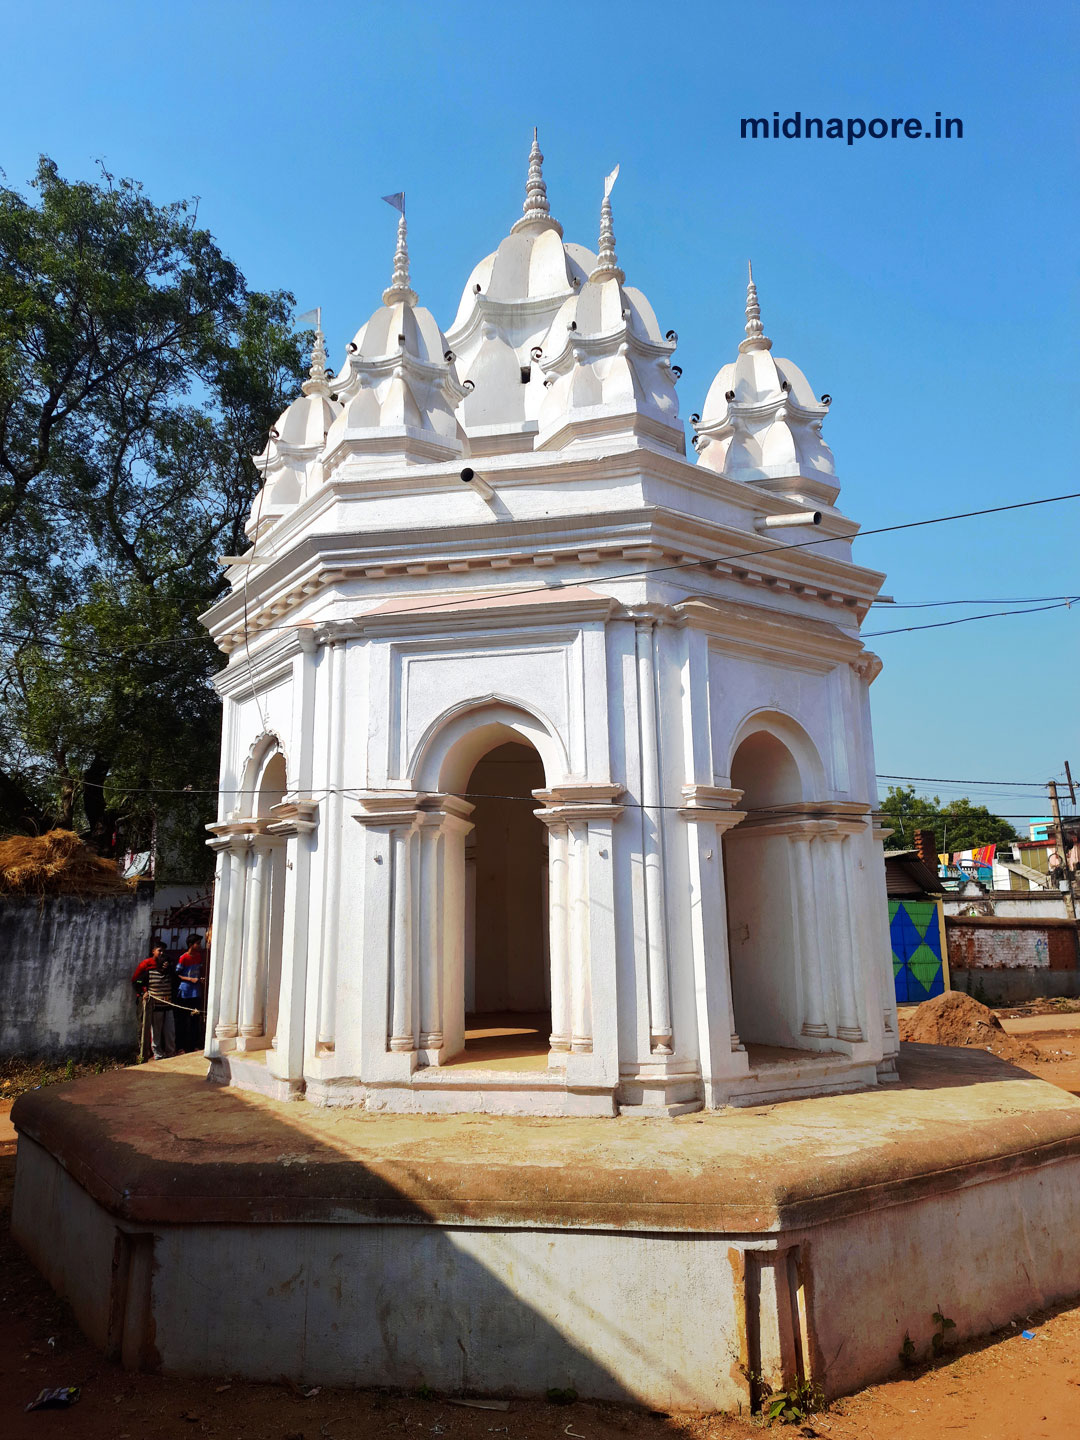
(1003, 1387)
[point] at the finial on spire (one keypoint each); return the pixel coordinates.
(536, 207)
(607, 262)
(317, 383)
(400, 289)
(756, 338)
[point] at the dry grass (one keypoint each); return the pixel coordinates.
(17, 1075)
(57, 863)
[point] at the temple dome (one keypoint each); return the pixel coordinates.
(607, 364)
(761, 420)
(398, 388)
(507, 306)
(289, 463)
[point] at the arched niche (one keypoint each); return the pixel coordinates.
(265, 776)
(782, 746)
(450, 749)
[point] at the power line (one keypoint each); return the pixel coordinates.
(938, 780)
(354, 792)
(985, 600)
(779, 548)
(967, 619)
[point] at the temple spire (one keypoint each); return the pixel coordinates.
(317, 383)
(536, 208)
(756, 338)
(607, 262)
(400, 288)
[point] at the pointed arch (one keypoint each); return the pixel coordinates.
(265, 771)
(452, 744)
(789, 733)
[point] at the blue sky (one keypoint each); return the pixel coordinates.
(929, 286)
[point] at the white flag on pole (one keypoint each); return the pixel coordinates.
(311, 317)
(397, 201)
(609, 182)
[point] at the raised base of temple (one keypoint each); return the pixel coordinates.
(531, 1088)
(203, 1230)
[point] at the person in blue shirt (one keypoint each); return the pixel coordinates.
(191, 972)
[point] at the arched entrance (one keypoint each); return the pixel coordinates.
(507, 973)
(763, 920)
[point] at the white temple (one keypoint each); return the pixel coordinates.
(547, 770)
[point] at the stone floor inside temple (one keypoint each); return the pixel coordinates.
(504, 1041)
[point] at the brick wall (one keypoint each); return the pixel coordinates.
(1003, 959)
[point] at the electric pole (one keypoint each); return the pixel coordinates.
(1055, 810)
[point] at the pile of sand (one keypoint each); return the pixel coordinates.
(956, 1019)
(56, 864)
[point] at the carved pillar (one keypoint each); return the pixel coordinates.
(580, 986)
(227, 1027)
(808, 928)
(253, 968)
(708, 813)
(219, 923)
(438, 904)
(838, 901)
(335, 680)
(660, 1031)
(579, 818)
(402, 943)
(558, 933)
(428, 918)
(292, 823)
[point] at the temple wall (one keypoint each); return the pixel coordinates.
(65, 974)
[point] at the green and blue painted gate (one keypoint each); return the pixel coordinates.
(919, 967)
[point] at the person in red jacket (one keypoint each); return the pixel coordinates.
(153, 979)
(190, 970)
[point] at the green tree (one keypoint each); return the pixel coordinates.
(957, 825)
(138, 374)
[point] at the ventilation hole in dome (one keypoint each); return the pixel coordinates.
(695, 419)
(468, 385)
(526, 374)
(729, 395)
(672, 335)
(536, 352)
(572, 325)
(476, 289)
(676, 370)
(826, 399)
(351, 347)
(449, 356)
(785, 385)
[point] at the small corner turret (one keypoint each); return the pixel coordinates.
(761, 421)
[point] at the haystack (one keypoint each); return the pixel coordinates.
(57, 863)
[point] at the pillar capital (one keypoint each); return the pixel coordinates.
(646, 616)
(711, 804)
(579, 800)
(292, 817)
(392, 809)
(232, 835)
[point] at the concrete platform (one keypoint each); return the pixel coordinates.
(201, 1230)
